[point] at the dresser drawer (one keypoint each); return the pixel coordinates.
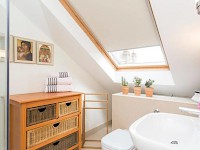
(40, 114)
(44, 133)
(68, 107)
(63, 143)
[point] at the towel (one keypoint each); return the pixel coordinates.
(57, 88)
(58, 81)
(60, 75)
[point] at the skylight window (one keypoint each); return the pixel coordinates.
(148, 56)
(139, 31)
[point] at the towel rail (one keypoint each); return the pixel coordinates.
(105, 100)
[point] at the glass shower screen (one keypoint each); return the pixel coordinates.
(4, 62)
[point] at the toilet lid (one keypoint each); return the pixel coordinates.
(118, 140)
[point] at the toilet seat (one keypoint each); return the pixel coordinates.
(117, 140)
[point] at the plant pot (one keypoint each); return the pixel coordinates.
(149, 92)
(125, 90)
(137, 90)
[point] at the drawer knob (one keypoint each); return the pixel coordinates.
(56, 143)
(56, 124)
(68, 104)
(42, 109)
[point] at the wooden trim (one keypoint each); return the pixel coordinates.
(15, 128)
(160, 67)
(57, 110)
(41, 96)
(80, 122)
(23, 125)
(87, 31)
(73, 147)
(50, 101)
(94, 40)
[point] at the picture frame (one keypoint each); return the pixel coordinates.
(45, 53)
(24, 50)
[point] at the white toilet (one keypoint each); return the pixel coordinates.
(117, 140)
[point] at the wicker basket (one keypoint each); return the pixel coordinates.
(68, 107)
(62, 144)
(44, 133)
(40, 114)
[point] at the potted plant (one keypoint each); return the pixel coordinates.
(125, 87)
(137, 86)
(149, 90)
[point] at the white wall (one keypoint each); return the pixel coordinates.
(27, 78)
(179, 27)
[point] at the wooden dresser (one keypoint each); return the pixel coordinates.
(46, 121)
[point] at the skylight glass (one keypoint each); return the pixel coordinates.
(148, 56)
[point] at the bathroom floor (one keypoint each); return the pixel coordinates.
(96, 136)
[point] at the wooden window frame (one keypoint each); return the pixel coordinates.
(97, 44)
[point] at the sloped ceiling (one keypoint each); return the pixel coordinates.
(178, 25)
(120, 24)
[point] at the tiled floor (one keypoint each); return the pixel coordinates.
(97, 136)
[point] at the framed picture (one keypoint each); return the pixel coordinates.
(24, 50)
(45, 53)
(11, 49)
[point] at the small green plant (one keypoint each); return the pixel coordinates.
(137, 81)
(149, 83)
(124, 82)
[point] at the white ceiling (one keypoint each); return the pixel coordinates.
(179, 27)
(118, 24)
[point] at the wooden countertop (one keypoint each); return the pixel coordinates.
(30, 97)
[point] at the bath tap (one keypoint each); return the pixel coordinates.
(190, 111)
(156, 111)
